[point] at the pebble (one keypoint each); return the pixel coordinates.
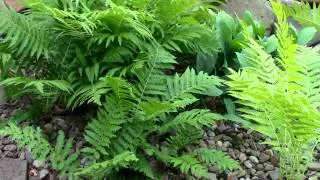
(226, 144)
(275, 174)
(22, 156)
(212, 176)
(315, 166)
(242, 157)
(259, 167)
(38, 164)
(48, 128)
(219, 144)
(29, 156)
(61, 122)
(268, 167)
(254, 159)
(43, 173)
(241, 173)
(260, 174)
(10, 147)
(248, 164)
(264, 157)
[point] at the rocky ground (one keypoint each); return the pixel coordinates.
(257, 160)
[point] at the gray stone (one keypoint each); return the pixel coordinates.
(275, 174)
(242, 157)
(248, 164)
(226, 144)
(43, 173)
(264, 157)
(260, 174)
(268, 167)
(48, 128)
(3, 97)
(259, 167)
(22, 156)
(10, 147)
(61, 123)
(212, 176)
(254, 159)
(13, 169)
(241, 173)
(315, 166)
(29, 156)
(38, 164)
(260, 9)
(219, 143)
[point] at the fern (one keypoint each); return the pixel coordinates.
(279, 96)
(24, 36)
(38, 146)
(306, 14)
(38, 85)
(121, 160)
(62, 158)
(218, 158)
(190, 164)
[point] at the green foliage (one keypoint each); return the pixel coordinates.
(308, 15)
(38, 146)
(62, 158)
(279, 96)
(118, 55)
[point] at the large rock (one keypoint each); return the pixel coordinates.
(13, 169)
(260, 9)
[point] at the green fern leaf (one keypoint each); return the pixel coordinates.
(189, 164)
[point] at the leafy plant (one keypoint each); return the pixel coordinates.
(61, 156)
(279, 96)
(119, 55)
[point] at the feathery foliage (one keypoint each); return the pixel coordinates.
(279, 96)
(118, 55)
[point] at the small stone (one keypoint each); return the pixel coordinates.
(213, 169)
(231, 176)
(255, 178)
(10, 147)
(203, 144)
(275, 174)
(242, 157)
(254, 153)
(219, 144)
(38, 164)
(268, 167)
(226, 144)
(210, 133)
(241, 173)
(253, 171)
(259, 167)
(231, 153)
(248, 164)
(212, 176)
(264, 157)
(222, 127)
(7, 141)
(315, 166)
(269, 152)
(29, 156)
(48, 128)
(22, 156)
(33, 172)
(61, 122)
(254, 159)
(226, 138)
(260, 174)
(43, 173)
(9, 154)
(240, 135)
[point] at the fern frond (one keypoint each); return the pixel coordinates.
(43, 87)
(196, 118)
(110, 118)
(62, 157)
(190, 164)
(23, 35)
(120, 161)
(218, 158)
(143, 166)
(305, 13)
(28, 136)
(191, 83)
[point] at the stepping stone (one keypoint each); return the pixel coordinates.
(13, 169)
